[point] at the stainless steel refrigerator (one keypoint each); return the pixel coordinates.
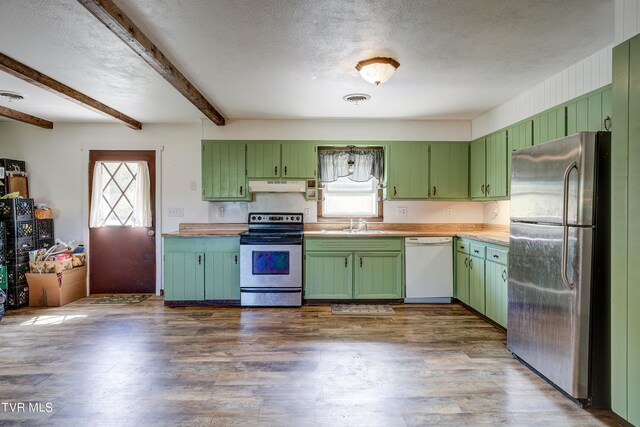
(558, 316)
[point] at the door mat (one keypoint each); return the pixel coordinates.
(362, 310)
(121, 299)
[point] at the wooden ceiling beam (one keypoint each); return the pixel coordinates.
(25, 118)
(28, 74)
(119, 23)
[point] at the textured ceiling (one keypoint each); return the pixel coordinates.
(296, 58)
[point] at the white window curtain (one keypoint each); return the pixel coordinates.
(120, 199)
(357, 165)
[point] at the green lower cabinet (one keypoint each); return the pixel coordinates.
(184, 276)
(222, 276)
(462, 277)
(328, 275)
(201, 269)
(353, 268)
(476, 284)
(497, 278)
(378, 275)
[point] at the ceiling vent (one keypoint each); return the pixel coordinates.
(356, 97)
(11, 96)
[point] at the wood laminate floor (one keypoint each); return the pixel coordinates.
(146, 364)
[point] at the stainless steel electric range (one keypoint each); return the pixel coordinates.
(271, 260)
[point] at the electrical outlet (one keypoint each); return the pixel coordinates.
(220, 212)
(175, 212)
(449, 211)
(307, 212)
(402, 211)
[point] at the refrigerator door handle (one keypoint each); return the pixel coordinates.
(565, 225)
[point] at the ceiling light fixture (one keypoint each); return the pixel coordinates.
(11, 96)
(355, 98)
(377, 70)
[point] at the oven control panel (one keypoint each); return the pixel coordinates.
(272, 218)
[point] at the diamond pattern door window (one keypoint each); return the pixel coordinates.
(118, 192)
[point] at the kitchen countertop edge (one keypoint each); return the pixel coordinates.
(501, 239)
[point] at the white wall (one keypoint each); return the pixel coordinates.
(583, 77)
(57, 162)
(627, 19)
(356, 130)
(496, 212)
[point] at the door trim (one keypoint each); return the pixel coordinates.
(158, 205)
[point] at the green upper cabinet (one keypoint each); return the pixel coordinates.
(274, 159)
(263, 159)
(299, 160)
(496, 168)
(449, 170)
(550, 125)
(224, 170)
(589, 112)
(477, 169)
(408, 170)
(518, 137)
(489, 167)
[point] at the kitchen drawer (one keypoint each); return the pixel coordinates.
(384, 244)
(477, 250)
(498, 255)
(462, 246)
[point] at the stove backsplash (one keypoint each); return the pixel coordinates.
(416, 211)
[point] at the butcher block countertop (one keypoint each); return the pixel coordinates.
(496, 234)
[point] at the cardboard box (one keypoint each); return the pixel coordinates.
(57, 289)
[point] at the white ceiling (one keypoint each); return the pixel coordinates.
(295, 58)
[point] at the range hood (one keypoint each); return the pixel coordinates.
(276, 186)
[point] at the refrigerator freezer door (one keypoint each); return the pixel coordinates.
(538, 180)
(548, 322)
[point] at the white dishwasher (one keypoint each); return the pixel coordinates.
(428, 269)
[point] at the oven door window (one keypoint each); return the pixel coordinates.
(270, 263)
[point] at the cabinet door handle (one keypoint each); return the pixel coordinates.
(471, 263)
(482, 188)
(434, 190)
(604, 123)
(395, 191)
(346, 262)
(285, 171)
(496, 256)
(466, 262)
(476, 251)
(199, 259)
(504, 274)
(276, 171)
(241, 189)
(360, 262)
(488, 189)
(461, 246)
(236, 258)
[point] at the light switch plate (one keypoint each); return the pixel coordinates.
(402, 211)
(449, 211)
(220, 212)
(175, 212)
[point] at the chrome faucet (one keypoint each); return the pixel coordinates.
(350, 224)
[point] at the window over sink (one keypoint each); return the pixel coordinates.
(345, 197)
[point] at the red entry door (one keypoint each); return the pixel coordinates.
(122, 258)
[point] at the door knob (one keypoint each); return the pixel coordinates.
(151, 233)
